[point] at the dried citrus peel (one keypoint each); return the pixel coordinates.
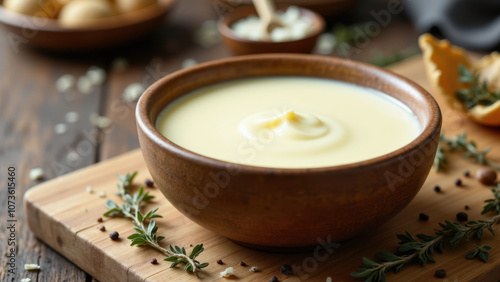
(442, 61)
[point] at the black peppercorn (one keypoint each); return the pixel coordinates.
(467, 207)
(274, 279)
(149, 183)
(437, 189)
(219, 261)
(242, 263)
(461, 216)
(99, 219)
(423, 217)
(458, 182)
(154, 261)
(441, 273)
(102, 228)
(286, 269)
(114, 235)
(467, 174)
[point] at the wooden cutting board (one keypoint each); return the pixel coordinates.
(62, 214)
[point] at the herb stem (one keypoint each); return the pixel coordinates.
(420, 249)
(140, 224)
(146, 227)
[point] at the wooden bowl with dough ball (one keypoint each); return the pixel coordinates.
(79, 25)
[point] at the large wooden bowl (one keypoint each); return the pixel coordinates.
(49, 34)
(241, 46)
(283, 209)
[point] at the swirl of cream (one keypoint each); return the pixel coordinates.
(291, 129)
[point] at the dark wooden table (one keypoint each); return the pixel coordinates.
(30, 106)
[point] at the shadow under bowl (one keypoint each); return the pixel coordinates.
(287, 209)
(241, 46)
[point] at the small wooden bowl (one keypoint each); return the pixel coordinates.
(285, 209)
(324, 7)
(49, 34)
(240, 46)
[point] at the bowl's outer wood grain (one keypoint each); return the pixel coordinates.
(241, 46)
(61, 208)
(49, 34)
(262, 206)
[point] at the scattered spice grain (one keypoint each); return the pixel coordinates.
(462, 216)
(114, 235)
(441, 273)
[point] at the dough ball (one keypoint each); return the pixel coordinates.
(80, 13)
(125, 6)
(37, 8)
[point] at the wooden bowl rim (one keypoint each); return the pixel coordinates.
(117, 22)
(427, 135)
(228, 19)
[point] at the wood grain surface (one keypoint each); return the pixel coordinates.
(64, 215)
(30, 107)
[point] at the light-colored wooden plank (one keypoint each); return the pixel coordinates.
(63, 214)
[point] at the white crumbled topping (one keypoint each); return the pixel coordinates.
(328, 279)
(96, 75)
(102, 194)
(208, 34)
(71, 117)
(189, 63)
(133, 92)
(100, 121)
(326, 44)
(84, 85)
(65, 83)
(119, 64)
(89, 189)
(294, 27)
(228, 272)
(31, 267)
(26, 280)
(60, 128)
(36, 174)
(254, 269)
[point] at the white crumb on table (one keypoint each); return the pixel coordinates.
(96, 75)
(133, 92)
(84, 85)
(71, 117)
(60, 128)
(254, 269)
(31, 266)
(65, 83)
(89, 189)
(189, 63)
(208, 34)
(328, 279)
(101, 122)
(227, 273)
(326, 44)
(102, 194)
(36, 174)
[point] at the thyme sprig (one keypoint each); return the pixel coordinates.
(481, 252)
(478, 93)
(459, 143)
(419, 249)
(146, 228)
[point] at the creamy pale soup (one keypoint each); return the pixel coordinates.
(288, 122)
